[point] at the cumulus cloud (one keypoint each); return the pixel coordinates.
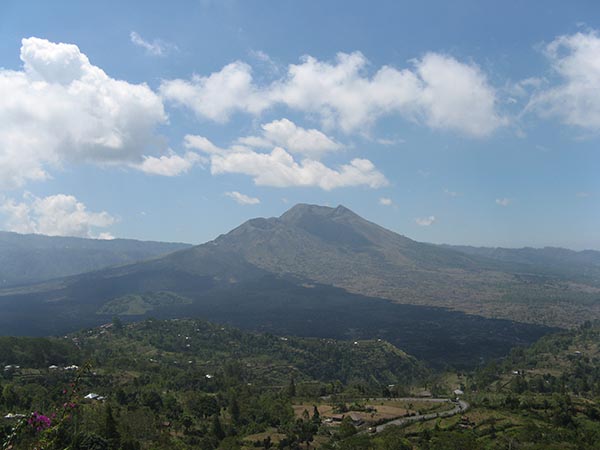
(385, 201)
(457, 96)
(278, 168)
(156, 48)
(218, 95)
(170, 165)
(438, 91)
(425, 221)
(503, 201)
(61, 108)
(285, 133)
(56, 215)
(576, 100)
(242, 199)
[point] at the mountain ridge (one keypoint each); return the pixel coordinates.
(314, 271)
(313, 244)
(34, 258)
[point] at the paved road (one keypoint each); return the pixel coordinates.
(457, 408)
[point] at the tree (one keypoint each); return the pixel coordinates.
(202, 406)
(346, 428)
(234, 410)
(117, 324)
(187, 422)
(90, 441)
(291, 390)
(10, 396)
(152, 400)
(304, 429)
(110, 427)
(217, 428)
(316, 418)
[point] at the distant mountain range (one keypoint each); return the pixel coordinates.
(583, 264)
(320, 271)
(31, 258)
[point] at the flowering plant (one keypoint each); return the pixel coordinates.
(39, 421)
(46, 430)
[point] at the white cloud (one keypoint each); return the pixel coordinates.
(425, 221)
(171, 165)
(156, 48)
(56, 215)
(279, 168)
(242, 199)
(285, 133)
(60, 108)
(385, 201)
(576, 101)
(439, 91)
(457, 96)
(583, 194)
(503, 201)
(218, 95)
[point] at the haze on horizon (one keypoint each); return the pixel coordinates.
(181, 122)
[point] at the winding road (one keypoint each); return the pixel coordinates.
(459, 407)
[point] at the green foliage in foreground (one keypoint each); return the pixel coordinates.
(183, 384)
(194, 385)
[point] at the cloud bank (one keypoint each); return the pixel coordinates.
(438, 91)
(278, 168)
(56, 215)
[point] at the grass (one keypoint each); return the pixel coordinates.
(384, 410)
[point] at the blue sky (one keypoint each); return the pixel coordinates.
(462, 122)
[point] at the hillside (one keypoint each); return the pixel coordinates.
(167, 383)
(267, 359)
(543, 397)
(32, 258)
(193, 384)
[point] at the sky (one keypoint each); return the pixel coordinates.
(464, 122)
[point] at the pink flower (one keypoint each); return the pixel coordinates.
(39, 421)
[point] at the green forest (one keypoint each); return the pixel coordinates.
(187, 384)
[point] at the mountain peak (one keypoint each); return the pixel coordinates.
(301, 211)
(342, 210)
